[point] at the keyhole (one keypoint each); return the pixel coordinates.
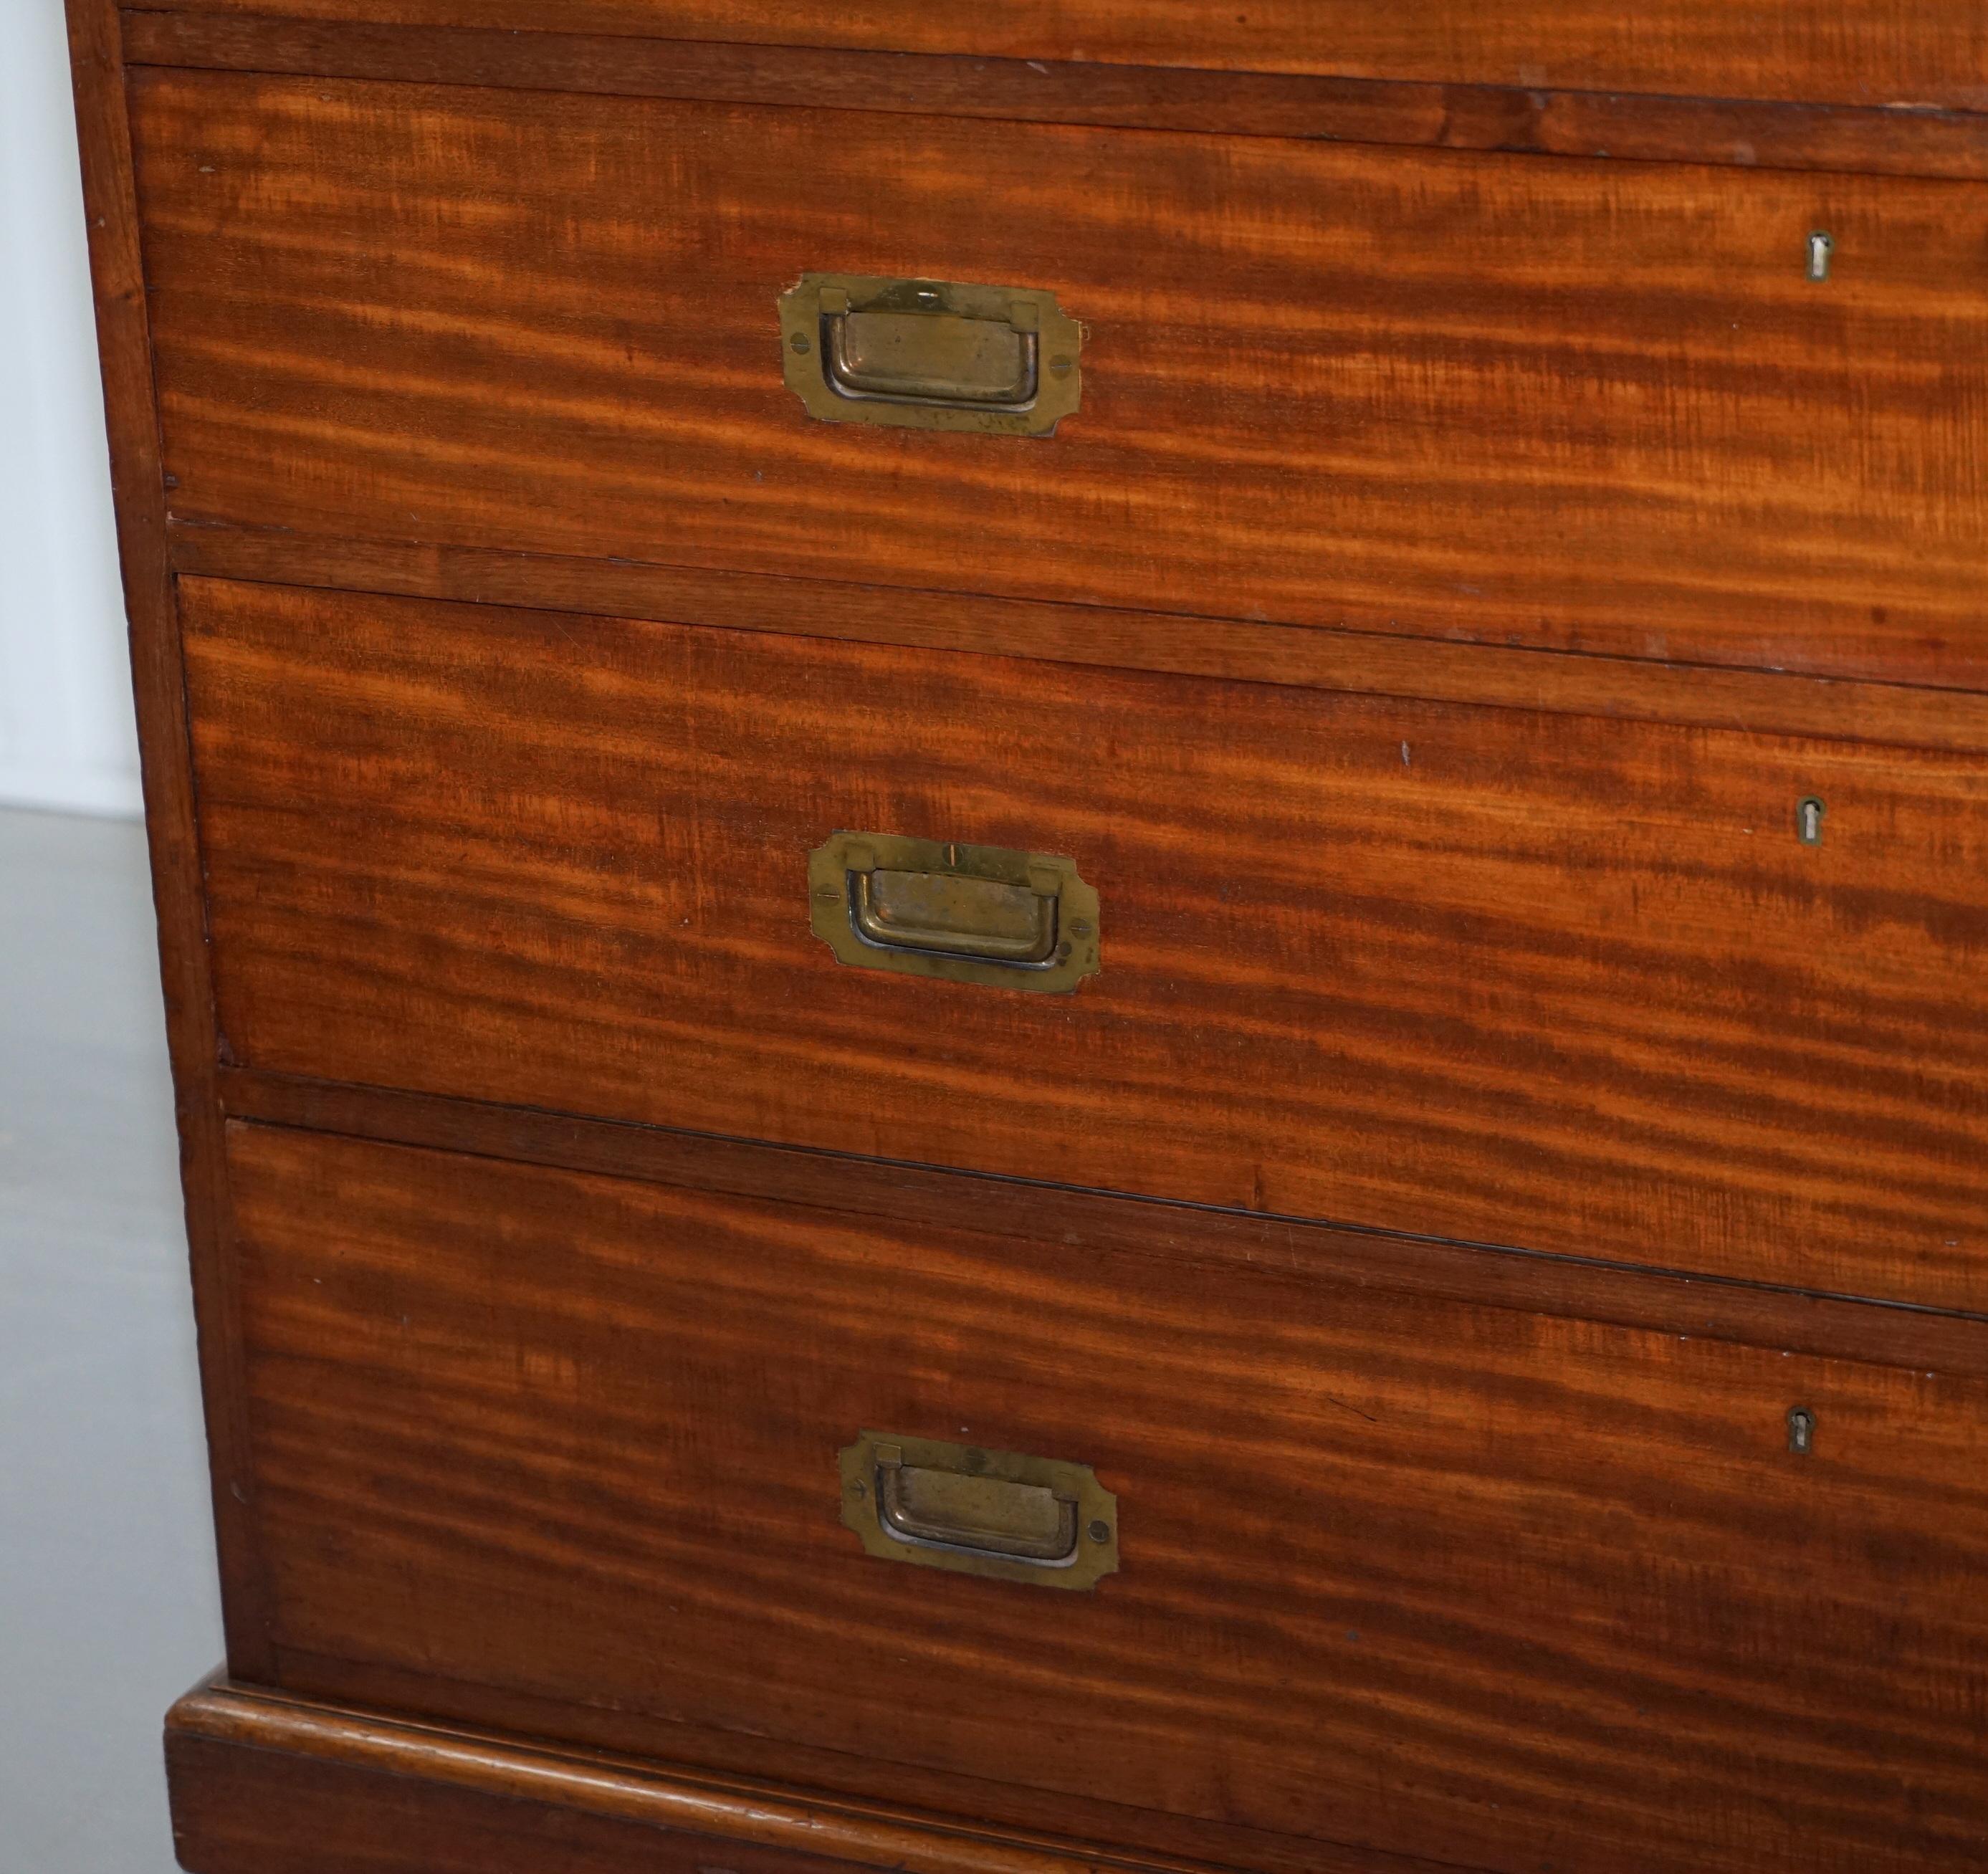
(1821, 248)
(1808, 821)
(1802, 1431)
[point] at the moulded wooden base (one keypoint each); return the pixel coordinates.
(260, 1781)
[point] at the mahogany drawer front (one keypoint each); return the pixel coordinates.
(1595, 406)
(1553, 982)
(1865, 52)
(1495, 1589)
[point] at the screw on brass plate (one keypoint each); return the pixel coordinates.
(1821, 248)
(1100, 1532)
(798, 344)
(857, 1491)
(1802, 1431)
(1060, 367)
(1808, 821)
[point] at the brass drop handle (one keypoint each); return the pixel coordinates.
(990, 1515)
(950, 915)
(972, 914)
(930, 354)
(1006, 1516)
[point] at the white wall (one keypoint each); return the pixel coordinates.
(108, 1608)
(66, 738)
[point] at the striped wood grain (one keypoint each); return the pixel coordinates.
(1862, 51)
(1589, 407)
(1498, 1591)
(1629, 126)
(1484, 974)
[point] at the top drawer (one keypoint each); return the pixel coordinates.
(1867, 52)
(1590, 406)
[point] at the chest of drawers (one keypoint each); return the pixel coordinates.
(1075, 923)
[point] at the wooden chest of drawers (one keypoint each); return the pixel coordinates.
(1077, 925)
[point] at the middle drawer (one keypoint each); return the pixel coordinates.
(1483, 973)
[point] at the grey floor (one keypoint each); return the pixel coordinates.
(107, 1608)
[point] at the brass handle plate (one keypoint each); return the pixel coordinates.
(1002, 1514)
(968, 914)
(930, 354)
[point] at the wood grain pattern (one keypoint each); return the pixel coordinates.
(1401, 637)
(1364, 663)
(255, 1806)
(1788, 1320)
(1881, 52)
(1496, 1591)
(260, 1779)
(1590, 407)
(1119, 1833)
(1628, 126)
(158, 678)
(1480, 974)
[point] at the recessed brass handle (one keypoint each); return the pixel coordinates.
(950, 915)
(1001, 1513)
(971, 914)
(989, 1515)
(932, 359)
(930, 354)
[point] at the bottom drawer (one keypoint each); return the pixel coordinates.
(1501, 1590)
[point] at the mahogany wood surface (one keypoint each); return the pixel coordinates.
(1499, 1590)
(1866, 52)
(1490, 1123)
(1588, 406)
(124, 349)
(1628, 125)
(808, 1773)
(1670, 1300)
(1365, 663)
(249, 1808)
(1490, 975)
(263, 1781)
